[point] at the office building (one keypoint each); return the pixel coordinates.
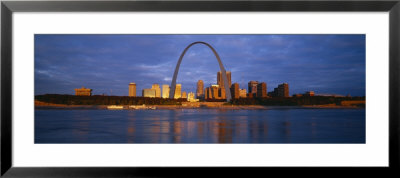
(262, 90)
(273, 93)
(220, 80)
(132, 89)
(235, 91)
(178, 88)
(252, 86)
(242, 93)
(184, 95)
(283, 90)
(200, 89)
(165, 91)
(191, 97)
(206, 93)
(149, 92)
(222, 93)
(215, 92)
(158, 90)
(83, 91)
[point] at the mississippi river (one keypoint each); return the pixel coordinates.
(277, 125)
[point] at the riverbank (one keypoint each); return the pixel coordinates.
(198, 105)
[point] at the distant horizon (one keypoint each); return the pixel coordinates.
(325, 64)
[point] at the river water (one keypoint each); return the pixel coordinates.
(278, 125)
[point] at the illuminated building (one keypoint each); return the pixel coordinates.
(191, 97)
(132, 89)
(214, 91)
(220, 80)
(262, 90)
(221, 93)
(242, 93)
(184, 95)
(200, 89)
(148, 92)
(158, 90)
(208, 93)
(165, 91)
(235, 91)
(83, 91)
(178, 89)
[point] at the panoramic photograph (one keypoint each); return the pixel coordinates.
(200, 88)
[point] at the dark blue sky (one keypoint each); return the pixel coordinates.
(326, 64)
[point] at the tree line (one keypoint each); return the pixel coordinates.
(294, 101)
(126, 100)
(105, 100)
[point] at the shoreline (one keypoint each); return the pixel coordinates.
(174, 107)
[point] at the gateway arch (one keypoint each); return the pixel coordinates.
(226, 85)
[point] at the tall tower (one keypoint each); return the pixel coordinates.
(220, 80)
(165, 91)
(132, 89)
(158, 90)
(178, 89)
(200, 89)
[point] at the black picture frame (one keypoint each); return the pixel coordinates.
(8, 7)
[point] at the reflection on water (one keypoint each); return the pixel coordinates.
(201, 126)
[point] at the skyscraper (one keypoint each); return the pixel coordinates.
(157, 88)
(253, 87)
(184, 95)
(200, 89)
(220, 80)
(262, 90)
(178, 88)
(165, 91)
(283, 90)
(235, 91)
(132, 89)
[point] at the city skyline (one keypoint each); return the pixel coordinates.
(326, 64)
